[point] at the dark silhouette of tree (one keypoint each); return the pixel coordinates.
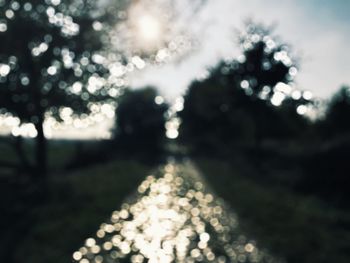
(47, 61)
(265, 62)
(140, 121)
(326, 168)
(237, 101)
(290, 123)
(336, 121)
(214, 112)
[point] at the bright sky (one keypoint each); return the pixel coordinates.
(317, 30)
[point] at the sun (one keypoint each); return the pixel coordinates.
(148, 28)
(149, 31)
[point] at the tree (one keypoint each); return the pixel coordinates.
(141, 120)
(326, 170)
(214, 115)
(264, 63)
(336, 121)
(49, 61)
(237, 101)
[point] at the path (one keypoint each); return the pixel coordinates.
(174, 217)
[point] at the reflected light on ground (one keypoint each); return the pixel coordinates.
(173, 218)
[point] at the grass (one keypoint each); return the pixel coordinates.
(77, 204)
(298, 228)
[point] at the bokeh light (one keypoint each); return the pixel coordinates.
(172, 218)
(142, 33)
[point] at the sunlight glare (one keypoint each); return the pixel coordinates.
(148, 27)
(172, 219)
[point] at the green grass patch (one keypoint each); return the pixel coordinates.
(78, 203)
(298, 228)
(59, 152)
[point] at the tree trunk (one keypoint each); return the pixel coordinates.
(41, 151)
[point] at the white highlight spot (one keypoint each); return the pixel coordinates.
(149, 27)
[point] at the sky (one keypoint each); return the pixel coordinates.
(317, 30)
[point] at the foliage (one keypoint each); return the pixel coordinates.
(49, 61)
(325, 171)
(140, 123)
(49, 49)
(265, 62)
(336, 120)
(245, 100)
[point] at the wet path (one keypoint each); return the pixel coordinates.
(174, 217)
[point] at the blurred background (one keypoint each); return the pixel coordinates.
(96, 95)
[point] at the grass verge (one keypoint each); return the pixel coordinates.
(77, 204)
(296, 227)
